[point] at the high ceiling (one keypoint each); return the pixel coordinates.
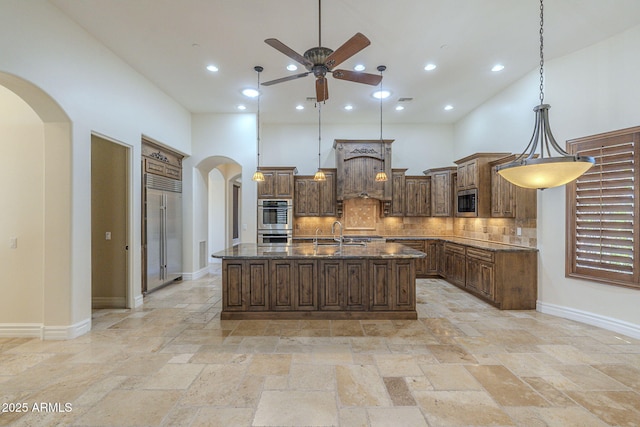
(171, 42)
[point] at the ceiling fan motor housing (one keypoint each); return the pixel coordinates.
(318, 55)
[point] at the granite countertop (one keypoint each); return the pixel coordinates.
(308, 250)
(474, 243)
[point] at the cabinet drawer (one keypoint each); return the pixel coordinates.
(452, 247)
(480, 254)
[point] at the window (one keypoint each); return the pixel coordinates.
(602, 213)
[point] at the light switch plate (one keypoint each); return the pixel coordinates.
(13, 243)
(107, 235)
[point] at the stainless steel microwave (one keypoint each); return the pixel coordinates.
(467, 203)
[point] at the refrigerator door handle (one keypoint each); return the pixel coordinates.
(163, 251)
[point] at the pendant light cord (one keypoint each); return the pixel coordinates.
(541, 53)
(319, 132)
(258, 70)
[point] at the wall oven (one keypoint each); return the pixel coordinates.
(275, 214)
(467, 203)
(275, 237)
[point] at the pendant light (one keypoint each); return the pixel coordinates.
(542, 171)
(258, 176)
(382, 175)
(319, 176)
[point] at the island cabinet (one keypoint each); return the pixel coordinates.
(245, 285)
(343, 285)
(315, 198)
(293, 285)
(419, 245)
(277, 184)
(391, 288)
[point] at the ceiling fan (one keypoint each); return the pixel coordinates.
(321, 60)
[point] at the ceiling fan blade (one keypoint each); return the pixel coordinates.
(322, 89)
(358, 77)
(352, 46)
(278, 45)
(285, 79)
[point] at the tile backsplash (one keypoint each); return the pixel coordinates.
(362, 217)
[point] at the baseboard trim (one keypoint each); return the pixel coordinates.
(196, 275)
(138, 301)
(38, 330)
(608, 323)
(108, 302)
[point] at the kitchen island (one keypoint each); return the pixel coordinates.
(319, 281)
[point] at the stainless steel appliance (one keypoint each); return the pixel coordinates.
(275, 214)
(467, 203)
(163, 228)
(275, 237)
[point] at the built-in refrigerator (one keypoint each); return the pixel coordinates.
(163, 231)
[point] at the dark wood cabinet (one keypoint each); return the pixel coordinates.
(431, 261)
(293, 285)
(509, 200)
(455, 263)
(391, 285)
(417, 196)
(419, 245)
(245, 285)
(480, 272)
(315, 198)
(277, 184)
(343, 284)
(357, 163)
(442, 191)
(474, 172)
(397, 192)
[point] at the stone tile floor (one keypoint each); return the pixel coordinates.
(173, 362)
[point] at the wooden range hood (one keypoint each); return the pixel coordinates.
(357, 162)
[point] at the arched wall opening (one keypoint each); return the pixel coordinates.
(221, 175)
(35, 133)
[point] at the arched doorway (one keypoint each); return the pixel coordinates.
(37, 286)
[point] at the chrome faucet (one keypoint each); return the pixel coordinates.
(315, 239)
(340, 239)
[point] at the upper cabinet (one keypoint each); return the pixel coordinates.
(357, 163)
(277, 184)
(442, 190)
(509, 200)
(396, 207)
(417, 196)
(474, 173)
(161, 161)
(315, 198)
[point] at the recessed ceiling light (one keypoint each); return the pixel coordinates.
(381, 94)
(250, 92)
(497, 67)
(241, 107)
(299, 107)
(348, 107)
(212, 68)
(430, 67)
(359, 67)
(292, 67)
(448, 107)
(399, 108)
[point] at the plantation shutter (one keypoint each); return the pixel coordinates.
(603, 223)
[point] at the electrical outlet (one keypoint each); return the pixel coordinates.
(107, 235)
(484, 229)
(519, 231)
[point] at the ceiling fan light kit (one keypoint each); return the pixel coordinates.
(321, 61)
(531, 170)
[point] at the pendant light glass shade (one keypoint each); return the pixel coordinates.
(319, 176)
(531, 170)
(258, 176)
(381, 176)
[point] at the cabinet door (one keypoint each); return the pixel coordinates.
(473, 274)
(502, 196)
(380, 279)
(418, 196)
(328, 195)
(420, 263)
(306, 285)
(232, 286)
(441, 193)
(398, 193)
(306, 199)
(486, 284)
(255, 285)
(431, 261)
(283, 184)
(330, 275)
(266, 189)
(404, 284)
(356, 295)
(440, 258)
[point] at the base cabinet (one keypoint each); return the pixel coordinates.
(419, 245)
(319, 288)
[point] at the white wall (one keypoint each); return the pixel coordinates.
(99, 93)
(417, 147)
(591, 91)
